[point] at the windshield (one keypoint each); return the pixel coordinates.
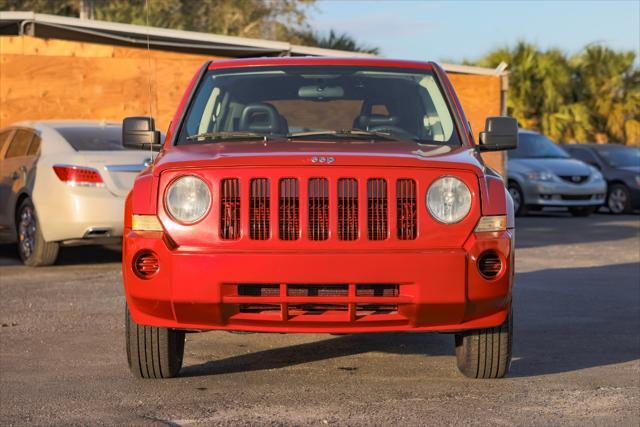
(319, 103)
(536, 146)
(620, 157)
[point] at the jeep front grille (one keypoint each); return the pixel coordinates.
(319, 209)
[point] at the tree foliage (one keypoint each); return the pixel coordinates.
(593, 95)
(334, 40)
(272, 19)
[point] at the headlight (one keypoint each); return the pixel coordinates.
(540, 176)
(188, 199)
(595, 174)
(448, 200)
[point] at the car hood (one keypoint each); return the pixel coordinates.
(282, 152)
(559, 167)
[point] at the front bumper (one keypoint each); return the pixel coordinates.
(564, 194)
(439, 289)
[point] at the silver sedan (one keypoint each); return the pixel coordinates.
(541, 174)
(62, 183)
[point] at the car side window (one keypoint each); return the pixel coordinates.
(584, 155)
(20, 144)
(4, 139)
(34, 147)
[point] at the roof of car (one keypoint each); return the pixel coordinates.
(527, 131)
(308, 60)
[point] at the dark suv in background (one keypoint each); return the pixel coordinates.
(620, 166)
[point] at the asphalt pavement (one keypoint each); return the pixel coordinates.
(576, 350)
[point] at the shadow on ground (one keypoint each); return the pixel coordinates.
(330, 348)
(68, 255)
(557, 328)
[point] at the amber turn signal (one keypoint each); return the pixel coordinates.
(145, 223)
(491, 223)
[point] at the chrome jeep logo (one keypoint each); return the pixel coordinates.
(322, 159)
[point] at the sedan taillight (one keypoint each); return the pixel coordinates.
(78, 176)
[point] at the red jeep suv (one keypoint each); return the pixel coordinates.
(319, 195)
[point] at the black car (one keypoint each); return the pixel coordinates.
(620, 166)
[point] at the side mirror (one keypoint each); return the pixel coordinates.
(500, 133)
(140, 133)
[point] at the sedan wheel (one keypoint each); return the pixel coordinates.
(518, 199)
(33, 249)
(26, 232)
(618, 200)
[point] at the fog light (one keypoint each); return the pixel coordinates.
(489, 264)
(146, 265)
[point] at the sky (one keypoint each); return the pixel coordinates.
(451, 31)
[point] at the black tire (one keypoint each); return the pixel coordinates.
(582, 211)
(619, 199)
(153, 352)
(34, 251)
(485, 353)
(519, 206)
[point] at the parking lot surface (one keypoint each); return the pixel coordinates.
(576, 350)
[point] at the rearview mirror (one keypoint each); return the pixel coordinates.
(140, 133)
(500, 133)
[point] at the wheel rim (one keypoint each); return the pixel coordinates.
(617, 200)
(515, 195)
(27, 232)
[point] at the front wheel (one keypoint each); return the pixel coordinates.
(519, 207)
(34, 251)
(619, 199)
(153, 352)
(485, 353)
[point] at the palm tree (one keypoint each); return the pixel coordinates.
(334, 40)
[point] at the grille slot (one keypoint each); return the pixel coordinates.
(258, 290)
(347, 209)
(317, 290)
(318, 209)
(377, 290)
(289, 209)
(575, 179)
(377, 209)
(259, 209)
(406, 209)
(230, 209)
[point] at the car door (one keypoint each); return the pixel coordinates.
(17, 173)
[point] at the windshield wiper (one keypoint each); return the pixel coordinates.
(222, 135)
(349, 133)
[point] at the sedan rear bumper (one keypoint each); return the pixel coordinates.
(319, 292)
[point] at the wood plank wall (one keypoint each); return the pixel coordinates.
(59, 79)
(480, 98)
